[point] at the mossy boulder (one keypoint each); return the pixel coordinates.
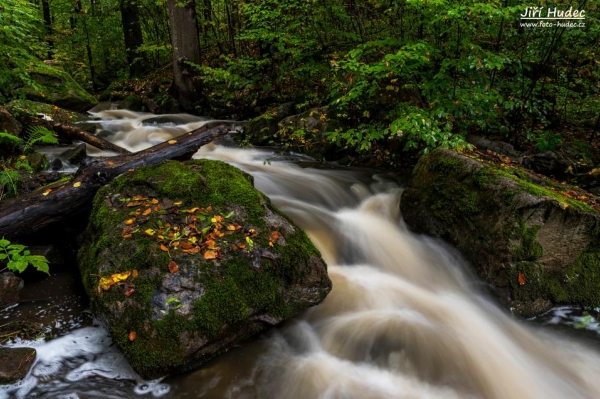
(54, 86)
(306, 132)
(21, 109)
(535, 246)
(214, 264)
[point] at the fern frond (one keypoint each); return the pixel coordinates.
(39, 134)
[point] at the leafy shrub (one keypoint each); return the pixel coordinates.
(18, 258)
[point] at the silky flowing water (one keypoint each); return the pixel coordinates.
(405, 319)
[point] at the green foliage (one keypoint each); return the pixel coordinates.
(39, 135)
(18, 258)
(9, 181)
(10, 140)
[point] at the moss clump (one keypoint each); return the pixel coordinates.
(55, 86)
(530, 249)
(234, 288)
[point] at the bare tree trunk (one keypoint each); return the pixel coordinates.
(132, 33)
(48, 26)
(186, 48)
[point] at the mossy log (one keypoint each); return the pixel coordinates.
(27, 214)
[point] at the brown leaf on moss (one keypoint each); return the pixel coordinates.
(521, 279)
(173, 267)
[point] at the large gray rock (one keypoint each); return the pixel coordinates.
(214, 264)
(534, 245)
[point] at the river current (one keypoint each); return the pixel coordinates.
(405, 318)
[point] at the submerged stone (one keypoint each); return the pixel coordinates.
(15, 363)
(183, 261)
(535, 246)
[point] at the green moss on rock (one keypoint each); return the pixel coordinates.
(509, 226)
(55, 86)
(226, 300)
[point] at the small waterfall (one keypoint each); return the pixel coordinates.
(405, 318)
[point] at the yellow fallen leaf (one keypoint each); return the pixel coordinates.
(149, 232)
(105, 283)
(48, 191)
(77, 184)
(135, 273)
(118, 277)
(172, 141)
(129, 221)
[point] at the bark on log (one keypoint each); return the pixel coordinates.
(29, 213)
(74, 133)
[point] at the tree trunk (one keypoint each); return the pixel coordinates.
(27, 214)
(132, 33)
(186, 48)
(48, 26)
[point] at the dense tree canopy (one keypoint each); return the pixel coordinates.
(408, 74)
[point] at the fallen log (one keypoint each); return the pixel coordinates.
(29, 213)
(74, 133)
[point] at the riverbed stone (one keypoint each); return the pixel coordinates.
(215, 263)
(10, 288)
(533, 245)
(15, 363)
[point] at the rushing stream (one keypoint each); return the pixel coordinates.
(405, 319)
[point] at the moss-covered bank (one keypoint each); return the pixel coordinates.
(241, 266)
(535, 246)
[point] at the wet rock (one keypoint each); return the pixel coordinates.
(496, 146)
(8, 123)
(10, 288)
(38, 161)
(534, 246)
(547, 163)
(262, 129)
(75, 155)
(305, 132)
(56, 164)
(15, 363)
(132, 103)
(227, 266)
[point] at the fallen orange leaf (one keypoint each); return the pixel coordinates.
(147, 212)
(127, 236)
(163, 248)
(521, 278)
(129, 291)
(129, 221)
(210, 255)
(135, 273)
(173, 267)
(132, 336)
(48, 191)
(274, 236)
